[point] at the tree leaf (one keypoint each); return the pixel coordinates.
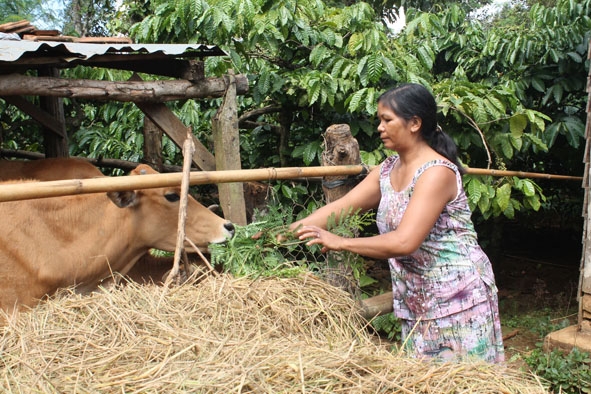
(527, 187)
(503, 196)
(517, 123)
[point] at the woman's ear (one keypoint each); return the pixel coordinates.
(415, 124)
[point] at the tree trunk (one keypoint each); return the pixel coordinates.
(340, 148)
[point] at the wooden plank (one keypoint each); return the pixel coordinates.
(227, 155)
(10, 26)
(26, 29)
(47, 32)
(35, 37)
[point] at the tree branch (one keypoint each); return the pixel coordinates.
(270, 109)
(475, 126)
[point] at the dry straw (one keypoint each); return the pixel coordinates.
(221, 335)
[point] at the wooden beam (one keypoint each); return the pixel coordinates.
(36, 113)
(136, 91)
(168, 122)
(191, 70)
(164, 118)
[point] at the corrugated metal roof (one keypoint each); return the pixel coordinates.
(13, 51)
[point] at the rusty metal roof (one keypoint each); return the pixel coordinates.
(44, 52)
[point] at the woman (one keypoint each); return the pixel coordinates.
(443, 284)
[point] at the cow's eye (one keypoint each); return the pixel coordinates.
(172, 197)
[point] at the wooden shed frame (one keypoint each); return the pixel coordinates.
(579, 335)
(181, 64)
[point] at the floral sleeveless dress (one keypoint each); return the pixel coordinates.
(444, 293)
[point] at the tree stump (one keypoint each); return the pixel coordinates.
(340, 148)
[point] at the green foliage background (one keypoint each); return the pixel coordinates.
(511, 88)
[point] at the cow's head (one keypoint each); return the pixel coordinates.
(155, 212)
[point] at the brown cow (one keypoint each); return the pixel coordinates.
(51, 169)
(80, 240)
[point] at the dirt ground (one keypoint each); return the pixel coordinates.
(538, 278)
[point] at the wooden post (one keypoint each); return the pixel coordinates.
(227, 155)
(579, 335)
(56, 144)
(584, 292)
(340, 148)
(152, 144)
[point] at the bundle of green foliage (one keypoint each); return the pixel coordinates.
(268, 248)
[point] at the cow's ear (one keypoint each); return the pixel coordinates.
(124, 199)
(142, 169)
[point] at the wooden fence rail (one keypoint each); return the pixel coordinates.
(30, 190)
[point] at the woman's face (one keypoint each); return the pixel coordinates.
(394, 130)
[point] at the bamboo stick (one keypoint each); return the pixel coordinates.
(521, 174)
(29, 190)
(188, 151)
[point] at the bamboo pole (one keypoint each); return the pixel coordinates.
(29, 190)
(521, 174)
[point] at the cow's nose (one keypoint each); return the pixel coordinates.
(230, 227)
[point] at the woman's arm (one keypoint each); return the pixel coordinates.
(434, 189)
(366, 195)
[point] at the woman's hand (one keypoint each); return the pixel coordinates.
(319, 236)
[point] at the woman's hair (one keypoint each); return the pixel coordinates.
(410, 100)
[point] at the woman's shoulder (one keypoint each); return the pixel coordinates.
(438, 162)
(442, 172)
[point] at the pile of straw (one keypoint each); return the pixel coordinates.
(222, 335)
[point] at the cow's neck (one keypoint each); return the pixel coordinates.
(106, 243)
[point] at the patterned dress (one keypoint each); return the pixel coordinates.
(444, 292)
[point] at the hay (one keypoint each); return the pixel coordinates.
(223, 335)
